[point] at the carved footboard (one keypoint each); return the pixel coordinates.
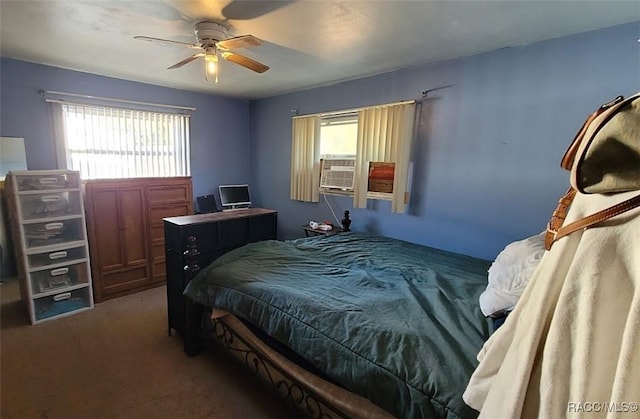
(311, 394)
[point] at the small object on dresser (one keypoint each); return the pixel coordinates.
(346, 222)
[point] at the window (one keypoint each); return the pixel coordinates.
(374, 137)
(338, 136)
(106, 142)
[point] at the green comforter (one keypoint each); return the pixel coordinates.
(395, 322)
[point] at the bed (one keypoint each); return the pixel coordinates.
(348, 325)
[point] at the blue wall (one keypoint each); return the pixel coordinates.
(486, 160)
(219, 126)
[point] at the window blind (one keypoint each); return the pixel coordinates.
(305, 159)
(106, 142)
(384, 135)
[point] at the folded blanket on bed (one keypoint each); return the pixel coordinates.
(571, 347)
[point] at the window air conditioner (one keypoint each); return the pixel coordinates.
(337, 173)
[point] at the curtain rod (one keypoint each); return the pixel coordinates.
(403, 102)
(161, 105)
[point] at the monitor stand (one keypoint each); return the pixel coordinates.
(235, 208)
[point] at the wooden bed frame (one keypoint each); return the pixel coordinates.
(312, 395)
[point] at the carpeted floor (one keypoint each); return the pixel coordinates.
(117, 361)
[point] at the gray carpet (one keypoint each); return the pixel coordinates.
(117, 361)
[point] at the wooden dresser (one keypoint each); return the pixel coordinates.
(125, 230)
(216, 234)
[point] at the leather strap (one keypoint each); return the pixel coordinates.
(556, 231)
(558, 216)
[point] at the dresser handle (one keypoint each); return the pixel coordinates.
(59, 271)
(63, 296)
(53, 226)
(50, 198)
(57, 255)
(48, 180)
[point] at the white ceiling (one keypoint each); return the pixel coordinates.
(306, 43)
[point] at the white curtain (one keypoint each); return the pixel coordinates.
(63, 157)
(305, 158)
(384, 135)
(105, 142)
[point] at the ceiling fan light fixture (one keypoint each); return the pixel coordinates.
(211, 66)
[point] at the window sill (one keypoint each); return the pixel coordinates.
(370, 195)
(380, 195)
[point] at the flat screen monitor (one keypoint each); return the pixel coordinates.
(234, 197)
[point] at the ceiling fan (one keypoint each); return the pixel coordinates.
(213, 40)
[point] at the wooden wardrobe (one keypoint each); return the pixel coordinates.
(126, 231)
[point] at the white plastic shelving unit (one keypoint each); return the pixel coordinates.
(49, 230)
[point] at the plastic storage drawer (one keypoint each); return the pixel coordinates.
(50, 205)
(39, 260)
(64, 302)
(48, 182)
(54, 232)
(65, 276)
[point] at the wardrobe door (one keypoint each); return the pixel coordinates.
(104, 230)
(126, 231)
(133, 226)
(117, 238)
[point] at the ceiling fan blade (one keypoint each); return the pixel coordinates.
(166, 41)
(186, 61)
(251, 9)
(240, 42)
(244, 61)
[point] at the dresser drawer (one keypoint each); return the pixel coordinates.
(49, 205)
(123, 280)
(53, 233)
(65, 256)
(168, 193)
(233, 233)
(48, 182)
(59, 278)
(262, 227)
(158, 213)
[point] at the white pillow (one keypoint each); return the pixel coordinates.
(509, 274)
